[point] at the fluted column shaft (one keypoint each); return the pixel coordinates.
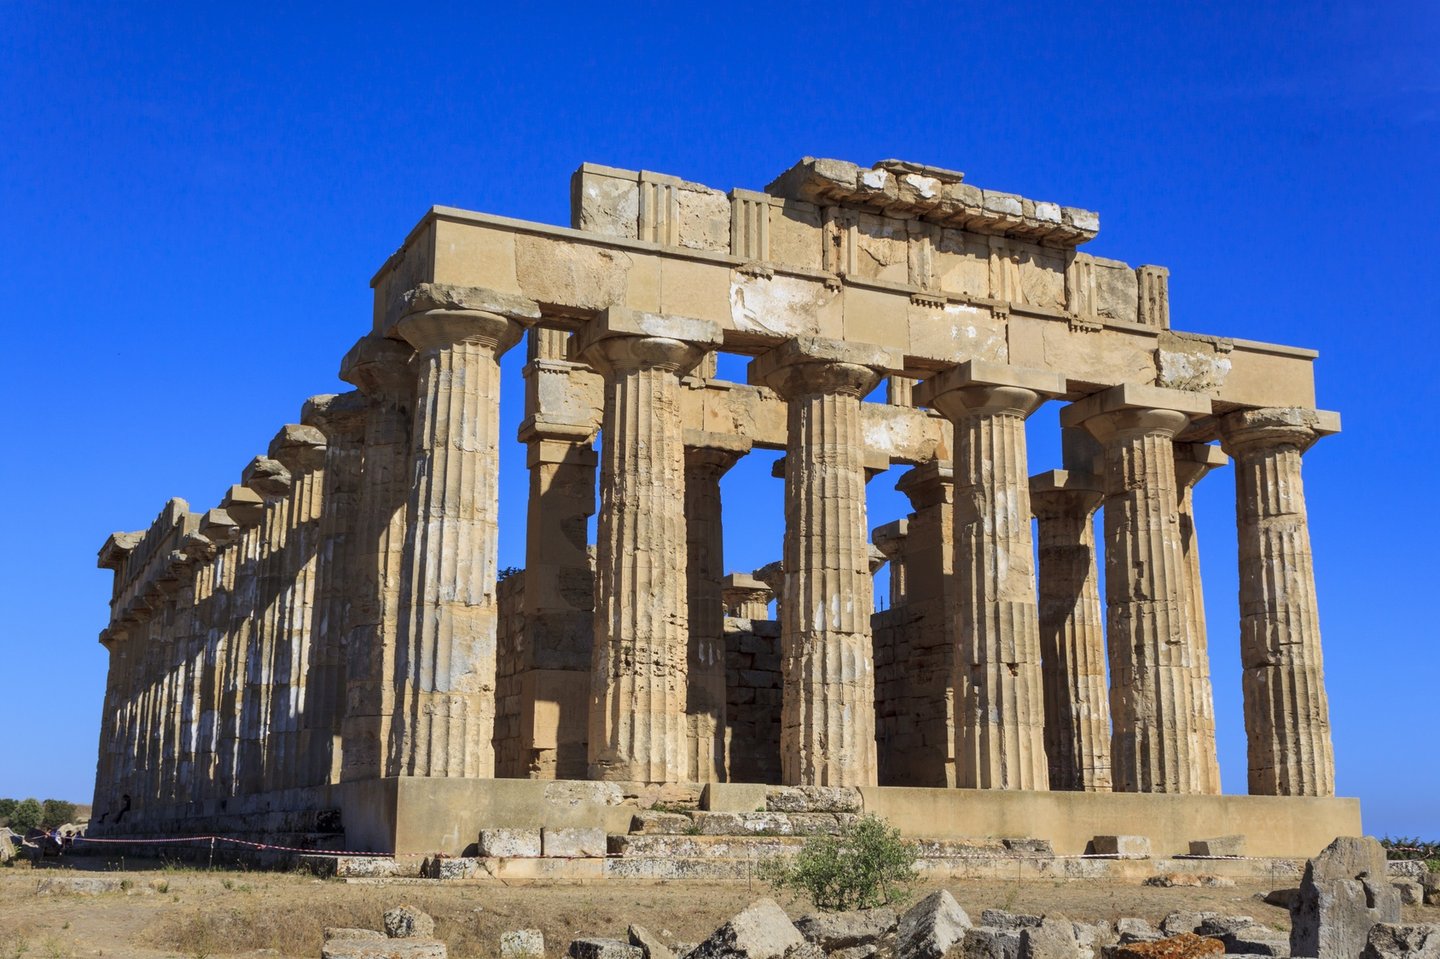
(827, 719)
(999, 691)
(639, 667)
(446, 670)
(379, 367)
(1072, 633)
(221, 530)
(1192, 462)
(342, 419)
(1155, 744)
(1287, 713)
(705, 544)
(271, 480)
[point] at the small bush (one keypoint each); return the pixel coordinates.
(56, 812)
(1410, 847)
(866, 865)
(26, 815)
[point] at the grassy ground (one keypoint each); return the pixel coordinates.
(192, 913)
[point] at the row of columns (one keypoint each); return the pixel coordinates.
(336, 617)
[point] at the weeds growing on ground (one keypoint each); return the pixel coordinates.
(866, 865)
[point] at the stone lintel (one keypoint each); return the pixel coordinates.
(116, 547)
(1132, 396)
(983, 373)
(876, 462)
(722, 442)
(1067, 480)
(816, 349)
(623, 321)
(299, 448)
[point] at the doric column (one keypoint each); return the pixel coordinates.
(999, 698)
(222, 532)
(745, 597)
(705, 568)
(1155, 743)
(247, 509)
(341, 418)
(1072, 631)
(301, 450)
(271, 480)
(446, 663)
(1287, 715)
(379, 367)
(827, 735)
(200, 554)
(637, 724)
(890, 541)
(1192, 462)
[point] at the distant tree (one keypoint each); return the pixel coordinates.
(507, 572)
(7, 809)
(27, 815)
(56, 812)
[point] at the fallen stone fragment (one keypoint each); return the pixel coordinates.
(1343, 894)
(1284, 898)
(649, 943)
(1052, 939)
(930, 927)
(601, 948)
(1129, 847)
(1388, 940)
(522, 944)
(1221, 926)
(842, 930)
(1000, 919)
(1219, 846)
(987, 942)
(1178, 922)
(1130, 929)
(1090, 937)
(383, 949)
(1187, 945)
(1191, 880)
(78, 886)
(1411, 892)
(760, 931)
(346, 932)
(1255, 940)
(407, 922)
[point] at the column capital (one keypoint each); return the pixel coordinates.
(199, 547)
(742, 589)
(890, 538)
(380, 367)
(443, 329)
(621, 339)
(340, 416)
(928, 484)
(1131, 410)
(1058, 492)
(267, 477)
(1194, 461)
(976, 386)
(218, 526)
(712, 460)
(812, 365)
(1245, 430)
(116, 548)
(243, 505)
(300, 449)
(446, 298)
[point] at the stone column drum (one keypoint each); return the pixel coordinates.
(1287, 713)
(637, 720)
(1072, 631)
(1155, 743)
(445, 666)
(1193, 461)
(999, 695)
(827, 659)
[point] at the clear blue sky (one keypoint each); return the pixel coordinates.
(193, 199)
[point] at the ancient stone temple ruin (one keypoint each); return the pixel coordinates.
(331, 647)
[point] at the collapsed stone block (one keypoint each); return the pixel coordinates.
(1130, 930)
(601, 948)
(1177, 922)
(760, 931)
(1397, 941)
(1219, 846)
(1001, 919)
(1343, 894)
(984, 942)
(1130, 847)
(930, 927)
(383, 949)
(407, 922)
(1052, 939)
(522, 944)
(649, 943)
(1411, 892)
(842, 930)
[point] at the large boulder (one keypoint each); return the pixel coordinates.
(987, 942)
(761, 931)
(930, 927)
(843, 930)
(1395, 941)
(1052, 939)
(1345, 891)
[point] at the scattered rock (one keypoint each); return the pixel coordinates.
(1000, 919)
(986, 942)
(930, 927)
(761, 931)
(345, 932)
(1343, 894)
(1219, 846)
(867, 951)
(1254, 939)
(1187, 945)
(843, 930)
(1128, 847)
(383, 949)
(78, 886)
(1406, 869)
(1178, 922)
(599, 948)
(522, 944)
(805, 949)
(1220, 926)
(1411, 892)
(1284, 898)
(7, 848)
(407, 922)
(1130, 929)
(1090, 937)
(650, 945)
(1397, 941)
(1193, 880)
(1052, 939)
(1431, 882)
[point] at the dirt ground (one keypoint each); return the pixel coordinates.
(194, 913)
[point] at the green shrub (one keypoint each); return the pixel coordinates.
(27, 815)
(7, 809)
(56, 812)
(866, 865)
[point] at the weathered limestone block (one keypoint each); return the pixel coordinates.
(510, 842)
(1287, 714)
(761, 931)
(999, 692)
(931, 927)
(1219, 846)
(1052, 939)
(1000, 919)
(1343, 894)
(524, 944)
(572, 841)
(1135, 847)
(650, 944)
(346, 932)
(841, 930)
(831, 799)
(987, 942)
(383, 949)
(1400, 941)
(600, 948)
(1412, 893)
(407, 922)
(1129, 929)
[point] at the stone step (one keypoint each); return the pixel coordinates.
(826, 799)
(705, 847)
